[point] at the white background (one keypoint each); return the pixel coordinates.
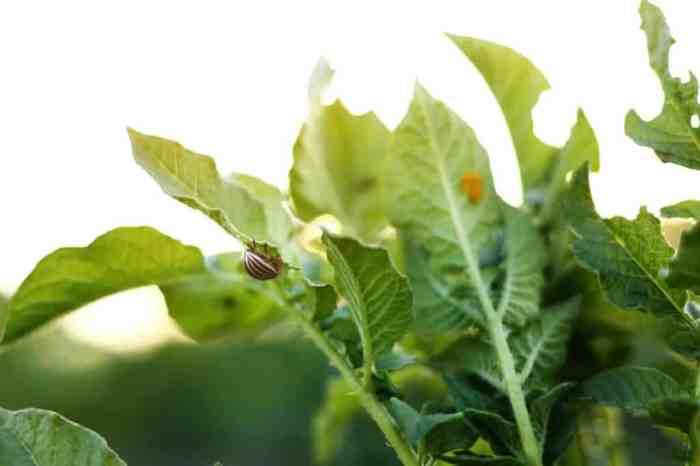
(229, 79)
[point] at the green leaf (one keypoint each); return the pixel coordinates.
(472, 459)
(540, 348)
(628, 255)
(671, 134)
(501, 433)
(416, 426)
(517, 84)
(685, 209)
(223, 301)
(12, 451)
(432, 150)
(472, 355)
(245, 207)
(519, 296)
(685, 266)
(339, 162)
(119, 260)
(379, 297)
(632, 388)
(331, 421)
(675, 412)
(53, 440)
(4, 314)
(541, 409)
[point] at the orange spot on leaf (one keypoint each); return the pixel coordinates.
(472, 184)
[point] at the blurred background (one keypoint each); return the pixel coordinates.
(229, 80)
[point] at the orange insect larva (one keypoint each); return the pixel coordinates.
(472, 184)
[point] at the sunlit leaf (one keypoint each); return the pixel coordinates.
(53, 440)
(671, 134)
(379, 298)
(685, 209)
(339, 160)
(245, 207)
(122, 259)
(517, 85)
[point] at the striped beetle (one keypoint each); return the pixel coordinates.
(260, 264)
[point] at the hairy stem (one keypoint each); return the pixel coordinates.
(515, 391)
(374, 408)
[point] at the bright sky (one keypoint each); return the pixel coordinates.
(229, 79)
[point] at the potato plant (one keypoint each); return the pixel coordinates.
(467, 329)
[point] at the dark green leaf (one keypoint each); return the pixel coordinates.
(245, 207)
(501, 434)
(628, 256)
(339, 160)
(450, 436)
(121, 259)
(554, 433)
(677, 412)
(378, 296)
(4, 314)
(472, 459)
(632, 388)
(414, 425)
(53, 440)
(471, 392)
(671, 134)
(685, 209)
(685, 266)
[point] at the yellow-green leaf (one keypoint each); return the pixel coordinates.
(339, 161)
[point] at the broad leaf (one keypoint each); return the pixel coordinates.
(332, 420)
(540, 348)
(671, 134)
(632, 388)
(378, 296)
(432, 151)
(245, 207)
(472, 355)
(223, 301)
(53, 440)
(541, 409)
(517, 84)
(121, 259)
(414, 425)
(685, 209)
(685, 266)
(339, 161)
(519, 294)
(628, 255)
(12, 450)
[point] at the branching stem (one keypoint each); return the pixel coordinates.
(369, 401)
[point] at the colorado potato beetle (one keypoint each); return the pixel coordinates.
(260, 264)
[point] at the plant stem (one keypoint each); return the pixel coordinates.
(694, 431)
(515, 391)
(374, 408)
